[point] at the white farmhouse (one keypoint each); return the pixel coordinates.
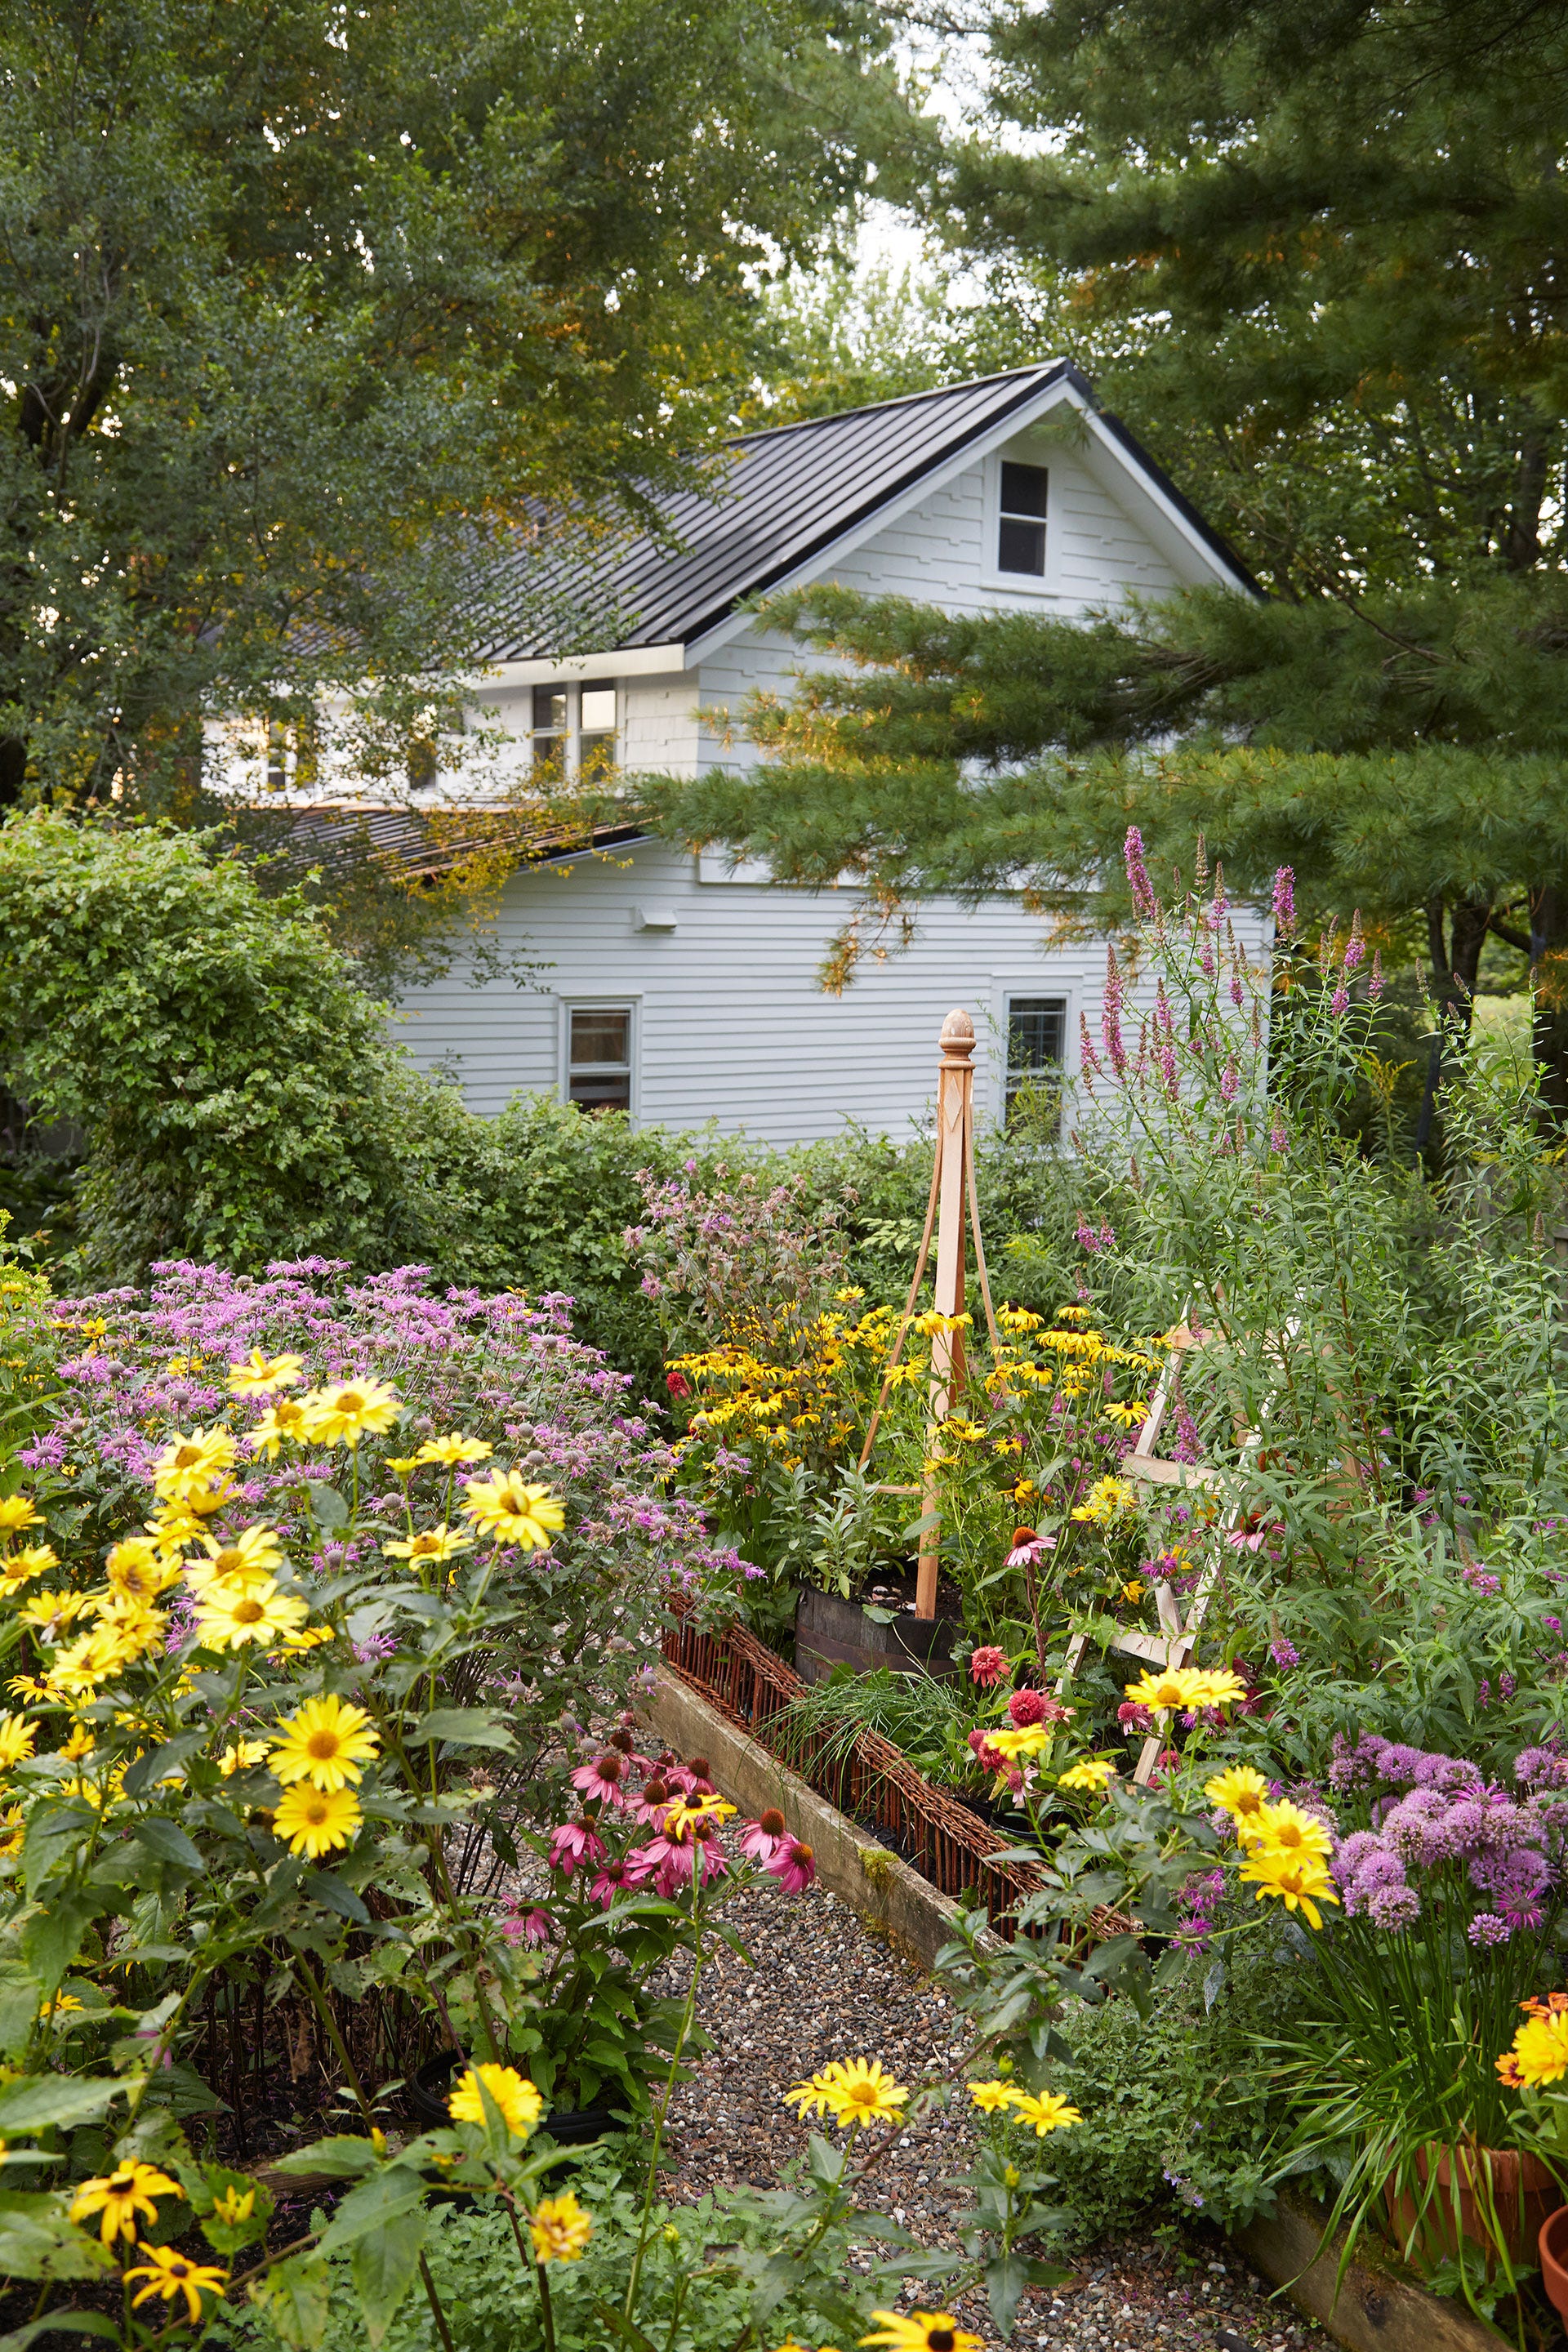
(680, 991)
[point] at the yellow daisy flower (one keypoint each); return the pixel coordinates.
(51, 1615)
(1047, 2112)
(1022, 1739)
(259, 1374)
(856, 2093)
(230, 1616)
(1284, 1827)
(454, 1449)
(17, 1739)
(192, 1462)
(285, 1422)
(252, 1557)
(991, 2098)
(327, 1742)
(1239, 1792)
(351, 1411)
(512, 2094)
(17, 1511)
(559, 2229)
(505, 1507)
(1299, 1881)
(316, 1821)
(1221, 1688)
(33, 1559)
(434, 1543)
(1176, 1687)
(139, 1567)
(240, 1755)
(1541, 2049)
(922, 2331)
(1093, 1773)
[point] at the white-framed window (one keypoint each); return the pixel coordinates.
(1021, 518)
(1036, 1037)
(573, 730)
(599, 1043)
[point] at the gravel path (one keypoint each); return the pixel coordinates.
(824, 1988)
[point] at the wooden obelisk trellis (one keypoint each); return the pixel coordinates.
(952, 1204)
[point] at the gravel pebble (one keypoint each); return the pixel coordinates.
(822, 1987)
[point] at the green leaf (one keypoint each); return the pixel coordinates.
(38, 2239)
(324, 1887)
(148, 1771)
(384, 2197)
(64, 2100)
(464, 1727)
(21, 1996)
(625, 2329)
(383, 2265)
(296, 2296)
(64, 2323)
(330, 1508)
(167, 1842)
(1006, 2280)
(344, 2157)
(52, 1938)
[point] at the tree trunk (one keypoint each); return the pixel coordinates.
(1548, 982)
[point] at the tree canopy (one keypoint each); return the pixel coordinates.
(307, 311)
(1312, 254)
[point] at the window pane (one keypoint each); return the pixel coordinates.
(598, 709)
(550, 706)
(1037, 1032)
(600, 1037)
(1021, 547)
(596, 756)
(1023, 490)
(602, 1094)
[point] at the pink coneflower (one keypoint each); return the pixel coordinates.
(527, 1927)
(692, 1776)
(1028, 1545)
(761, 1838)
(673, 1860)
(601, 1778)
(621, 1877)
(650, 1804)
(987, 1665)
(1028, 1706)
(1132, 1717)
(1242, 1541)
(572, 1842)
(793, 1865)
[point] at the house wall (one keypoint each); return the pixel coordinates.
(731, 1023)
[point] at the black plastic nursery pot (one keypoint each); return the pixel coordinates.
(831, 1633)
(426, 2091)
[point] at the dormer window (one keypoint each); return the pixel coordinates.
(1021, 532)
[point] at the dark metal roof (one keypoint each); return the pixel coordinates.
(425, 844)
(778, 498)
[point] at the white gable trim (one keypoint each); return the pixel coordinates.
(1149, 504)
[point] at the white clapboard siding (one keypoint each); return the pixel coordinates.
(731, 1023)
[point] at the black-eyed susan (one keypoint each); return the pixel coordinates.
(230, 1616)
(317, 1820)
(171, 2276)
(328, 1741)
(349, 1412)
(514, 2097)
(508, 1508)
(260, 1374)
(559, 2229)
(922, 2331)
(117, 2197)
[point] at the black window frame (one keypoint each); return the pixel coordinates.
(1023, 517)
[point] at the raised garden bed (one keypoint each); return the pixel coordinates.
(872, 1781)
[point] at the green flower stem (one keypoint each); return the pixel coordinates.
(686, 2016)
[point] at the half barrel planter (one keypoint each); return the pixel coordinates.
(831, 1633)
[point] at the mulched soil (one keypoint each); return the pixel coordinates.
(824, 1986)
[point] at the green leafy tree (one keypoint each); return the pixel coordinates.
(1313, 255)
(309, 313)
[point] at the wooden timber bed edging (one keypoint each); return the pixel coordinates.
(873, 1782)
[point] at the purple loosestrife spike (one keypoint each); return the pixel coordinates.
(1143, 899)
(1374, 986)
(1285, 902)
(1340, 1002)
(1229, 1081)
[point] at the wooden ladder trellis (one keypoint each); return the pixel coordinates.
(1177, 1638)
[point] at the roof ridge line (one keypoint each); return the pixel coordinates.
(899, 400)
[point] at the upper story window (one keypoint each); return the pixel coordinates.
(1021, 532)
(573, 729)
(1037, 1050)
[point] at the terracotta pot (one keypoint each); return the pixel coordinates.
(1523, 2192)
(1552, 2245)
